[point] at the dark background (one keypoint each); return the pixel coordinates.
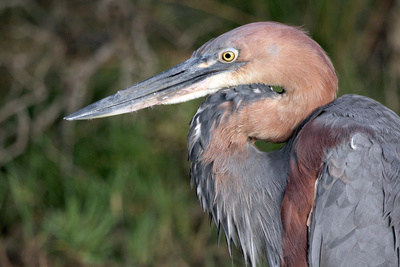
(115, 191)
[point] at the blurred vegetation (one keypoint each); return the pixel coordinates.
(115, 192)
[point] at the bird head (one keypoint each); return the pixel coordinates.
(265, 53)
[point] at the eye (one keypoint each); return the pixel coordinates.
(228, 56)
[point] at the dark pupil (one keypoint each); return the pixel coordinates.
(228, 56)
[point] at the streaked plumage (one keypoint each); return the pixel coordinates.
(233, 186)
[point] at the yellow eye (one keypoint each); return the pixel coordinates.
(228, 56)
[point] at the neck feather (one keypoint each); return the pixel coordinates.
(240, 186)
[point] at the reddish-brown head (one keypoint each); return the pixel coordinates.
(265, 52)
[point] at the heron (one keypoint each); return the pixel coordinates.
(330, 196)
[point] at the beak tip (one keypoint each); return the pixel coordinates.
(76, 116)
(68, 118)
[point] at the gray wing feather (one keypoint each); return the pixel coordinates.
(356, 216)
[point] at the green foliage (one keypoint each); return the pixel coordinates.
(116, 192)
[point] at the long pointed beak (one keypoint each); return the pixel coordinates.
(191, 79)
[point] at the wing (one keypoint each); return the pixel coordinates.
(356, 217)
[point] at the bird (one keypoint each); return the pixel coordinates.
(330, 196)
